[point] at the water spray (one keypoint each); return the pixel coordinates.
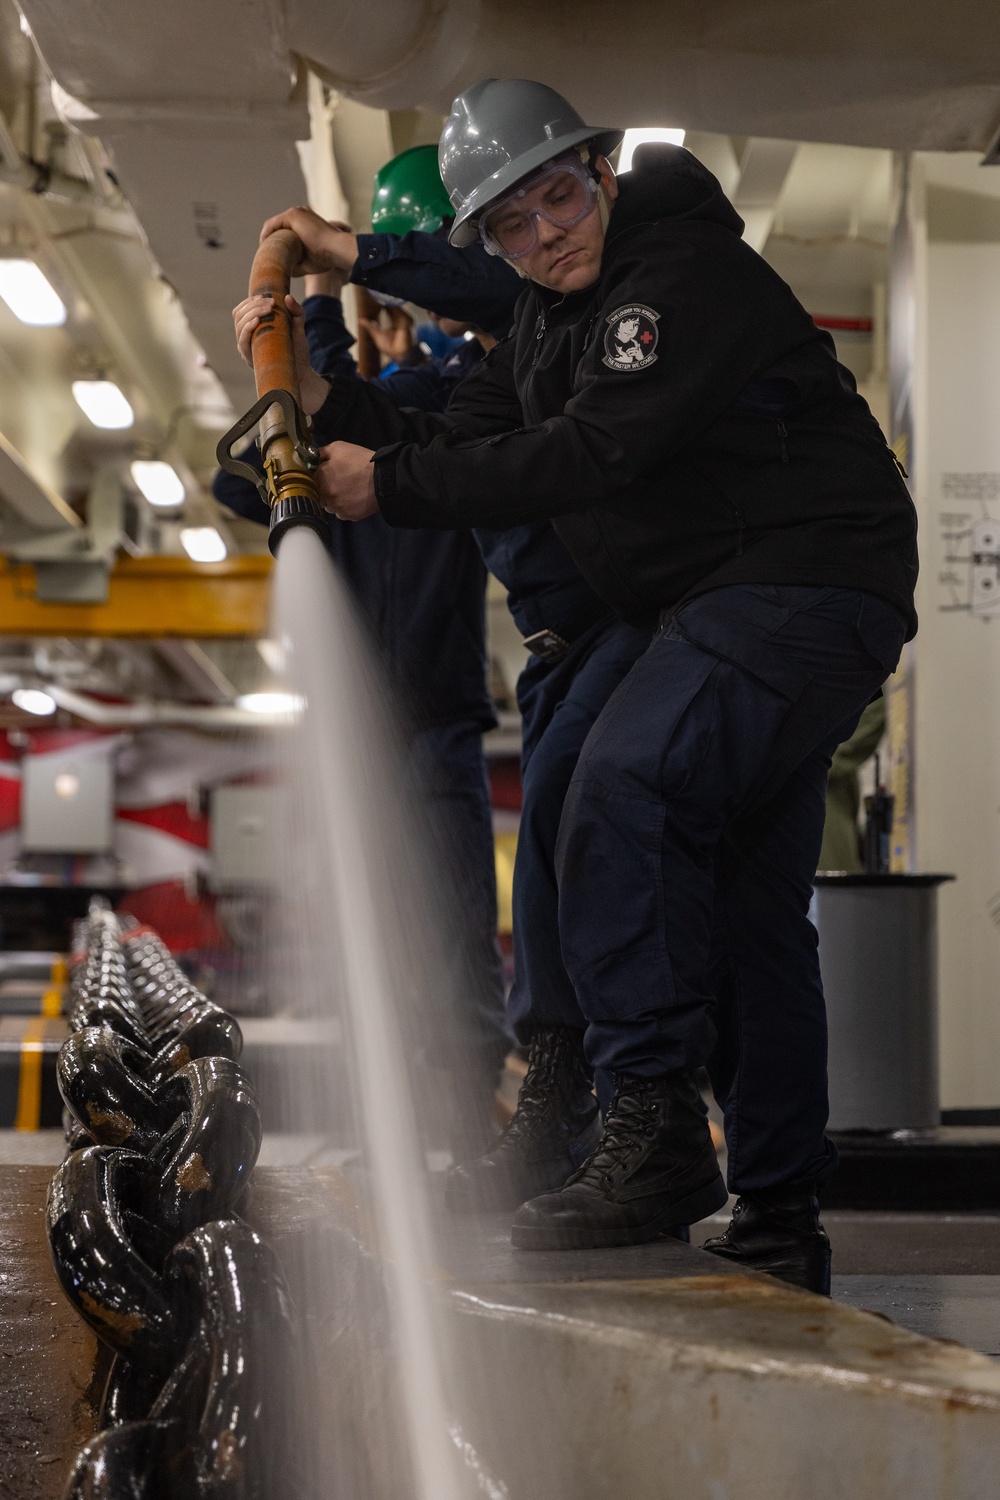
(288, 484)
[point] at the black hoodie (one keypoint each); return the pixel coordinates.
(683, 421)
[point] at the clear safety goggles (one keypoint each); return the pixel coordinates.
(564, 194)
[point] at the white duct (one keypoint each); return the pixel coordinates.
(859, 72)
(201, 104)
(856, 73)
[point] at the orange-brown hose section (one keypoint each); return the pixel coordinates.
(271, 345)
(288, 478)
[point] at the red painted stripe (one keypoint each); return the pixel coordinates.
(185, 923)
(505, 784)
(49, 741)
(843, 325)
(172, 818)
(10, 802)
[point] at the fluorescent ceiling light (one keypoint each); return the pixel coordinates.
(158, 481)
(203, 544)
(30, 295)
(34, 701)
(635, 138)
(103, 403)
(271, 703)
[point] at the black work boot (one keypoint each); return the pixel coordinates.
(655, 1168)
(779, 1231)
(555, 1127)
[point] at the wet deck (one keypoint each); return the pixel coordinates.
(637, 1364)
(47, 1355)
(736, 1387)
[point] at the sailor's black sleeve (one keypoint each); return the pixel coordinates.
(364, 412)
(675, 341)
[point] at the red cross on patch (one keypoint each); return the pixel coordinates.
(646, 338)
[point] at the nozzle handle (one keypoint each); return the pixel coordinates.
(295, 426)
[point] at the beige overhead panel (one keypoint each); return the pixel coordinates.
(199, 107)
(202, 187)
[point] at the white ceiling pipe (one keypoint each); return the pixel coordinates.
(793, 69)
(399, 53)
(206, 151)
(141, 715)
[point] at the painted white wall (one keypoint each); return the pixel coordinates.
(957, 702)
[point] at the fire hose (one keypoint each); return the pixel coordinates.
(163, 1133)
(288, 484)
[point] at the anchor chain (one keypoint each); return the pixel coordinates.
(163, 1130)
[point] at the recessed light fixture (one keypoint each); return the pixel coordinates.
(34, 701)
(203, 544)
(30, 295)
(634, 138)
(103, 403)
(159, 482)
(271, 703)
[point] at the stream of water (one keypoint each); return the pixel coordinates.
(361, 927)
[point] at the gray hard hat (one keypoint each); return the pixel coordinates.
(498, 131)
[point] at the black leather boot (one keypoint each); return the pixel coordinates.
(779, 1231)
(555, 1127)
(655, 1168)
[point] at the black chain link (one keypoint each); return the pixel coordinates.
(163, 1132)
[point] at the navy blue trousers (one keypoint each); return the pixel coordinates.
(559, 702)
(453, 788)
(688, 848)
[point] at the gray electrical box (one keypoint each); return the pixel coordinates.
(247, 829)
(67, 803)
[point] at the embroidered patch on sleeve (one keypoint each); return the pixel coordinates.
(631, 337)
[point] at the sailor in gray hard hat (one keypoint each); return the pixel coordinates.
(668, 403)
(497, 134)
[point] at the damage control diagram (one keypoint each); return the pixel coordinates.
(969, 577)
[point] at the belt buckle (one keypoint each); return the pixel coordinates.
(546, 645)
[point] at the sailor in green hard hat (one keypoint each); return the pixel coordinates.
(409, 194)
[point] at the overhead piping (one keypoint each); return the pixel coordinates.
(141, 715)
(289, 485)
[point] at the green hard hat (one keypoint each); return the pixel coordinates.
(409, 193)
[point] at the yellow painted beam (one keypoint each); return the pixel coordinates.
(149, 597)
